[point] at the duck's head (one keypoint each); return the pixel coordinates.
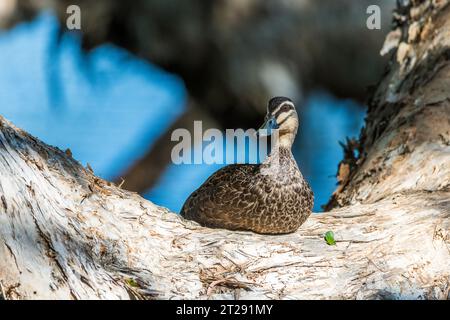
(282, 116)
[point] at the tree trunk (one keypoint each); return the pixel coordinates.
(67, 234)
(228, 64)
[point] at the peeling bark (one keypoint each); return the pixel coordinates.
(232, 52)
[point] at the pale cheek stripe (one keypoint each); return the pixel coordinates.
(287, 117)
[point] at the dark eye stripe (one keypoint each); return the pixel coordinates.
(283, 108)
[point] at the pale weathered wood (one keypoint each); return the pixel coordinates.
(65, 234)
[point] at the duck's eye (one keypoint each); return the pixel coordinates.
(285, 108)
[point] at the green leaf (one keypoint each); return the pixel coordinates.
(329, 238)
(132, 283)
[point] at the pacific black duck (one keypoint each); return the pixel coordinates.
(268, 198)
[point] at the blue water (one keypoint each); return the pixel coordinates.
(106, 106)
(109, 107)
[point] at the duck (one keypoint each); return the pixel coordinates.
(270, 197)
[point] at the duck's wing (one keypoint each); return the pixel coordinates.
(221, 199)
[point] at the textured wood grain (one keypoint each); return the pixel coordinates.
(66, 234)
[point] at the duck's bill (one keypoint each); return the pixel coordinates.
(268, 127)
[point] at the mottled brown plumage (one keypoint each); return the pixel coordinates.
(268, 198)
